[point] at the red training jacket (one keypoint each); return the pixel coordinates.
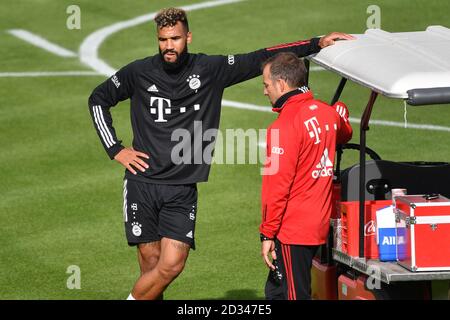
(298, 173)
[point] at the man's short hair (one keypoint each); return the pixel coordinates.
(169, 17)
(287, 66)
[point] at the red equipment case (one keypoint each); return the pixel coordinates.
(350, 227)
(323, 281)
(354, 289)
(423, 232)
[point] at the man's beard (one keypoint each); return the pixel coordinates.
(179, 62)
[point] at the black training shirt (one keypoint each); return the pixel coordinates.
(170, 111)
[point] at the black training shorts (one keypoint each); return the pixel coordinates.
(152, 211)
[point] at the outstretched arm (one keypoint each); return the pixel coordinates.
(331, 39)
(233, 69)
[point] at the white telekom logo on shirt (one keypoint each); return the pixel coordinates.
(324, 167)
(161, 107)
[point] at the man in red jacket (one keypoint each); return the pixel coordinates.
(298, 174)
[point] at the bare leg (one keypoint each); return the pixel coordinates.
(148, 255)
(170, 264)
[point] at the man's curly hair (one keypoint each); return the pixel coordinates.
(169, 17)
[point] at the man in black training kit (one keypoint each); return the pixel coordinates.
(171, 90)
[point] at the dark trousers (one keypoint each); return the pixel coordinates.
(292, 279)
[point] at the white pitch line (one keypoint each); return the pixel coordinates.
(402, 125)
(247, 106)
(67, 74)
(88, 51)
(48, 74)
(316, 68)
(42, 43)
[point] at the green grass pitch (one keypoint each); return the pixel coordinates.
(61, 197)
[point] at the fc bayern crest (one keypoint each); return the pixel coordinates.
(136, 229)
(194, 82)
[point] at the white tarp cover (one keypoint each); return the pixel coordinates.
(392, 63)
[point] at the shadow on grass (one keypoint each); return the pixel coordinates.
(245, 294)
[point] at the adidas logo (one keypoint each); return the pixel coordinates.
(152, 88)
(324, 161)
(324, 167)
(189, 235)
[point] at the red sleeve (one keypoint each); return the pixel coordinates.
(283, 147)
(345, 131)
